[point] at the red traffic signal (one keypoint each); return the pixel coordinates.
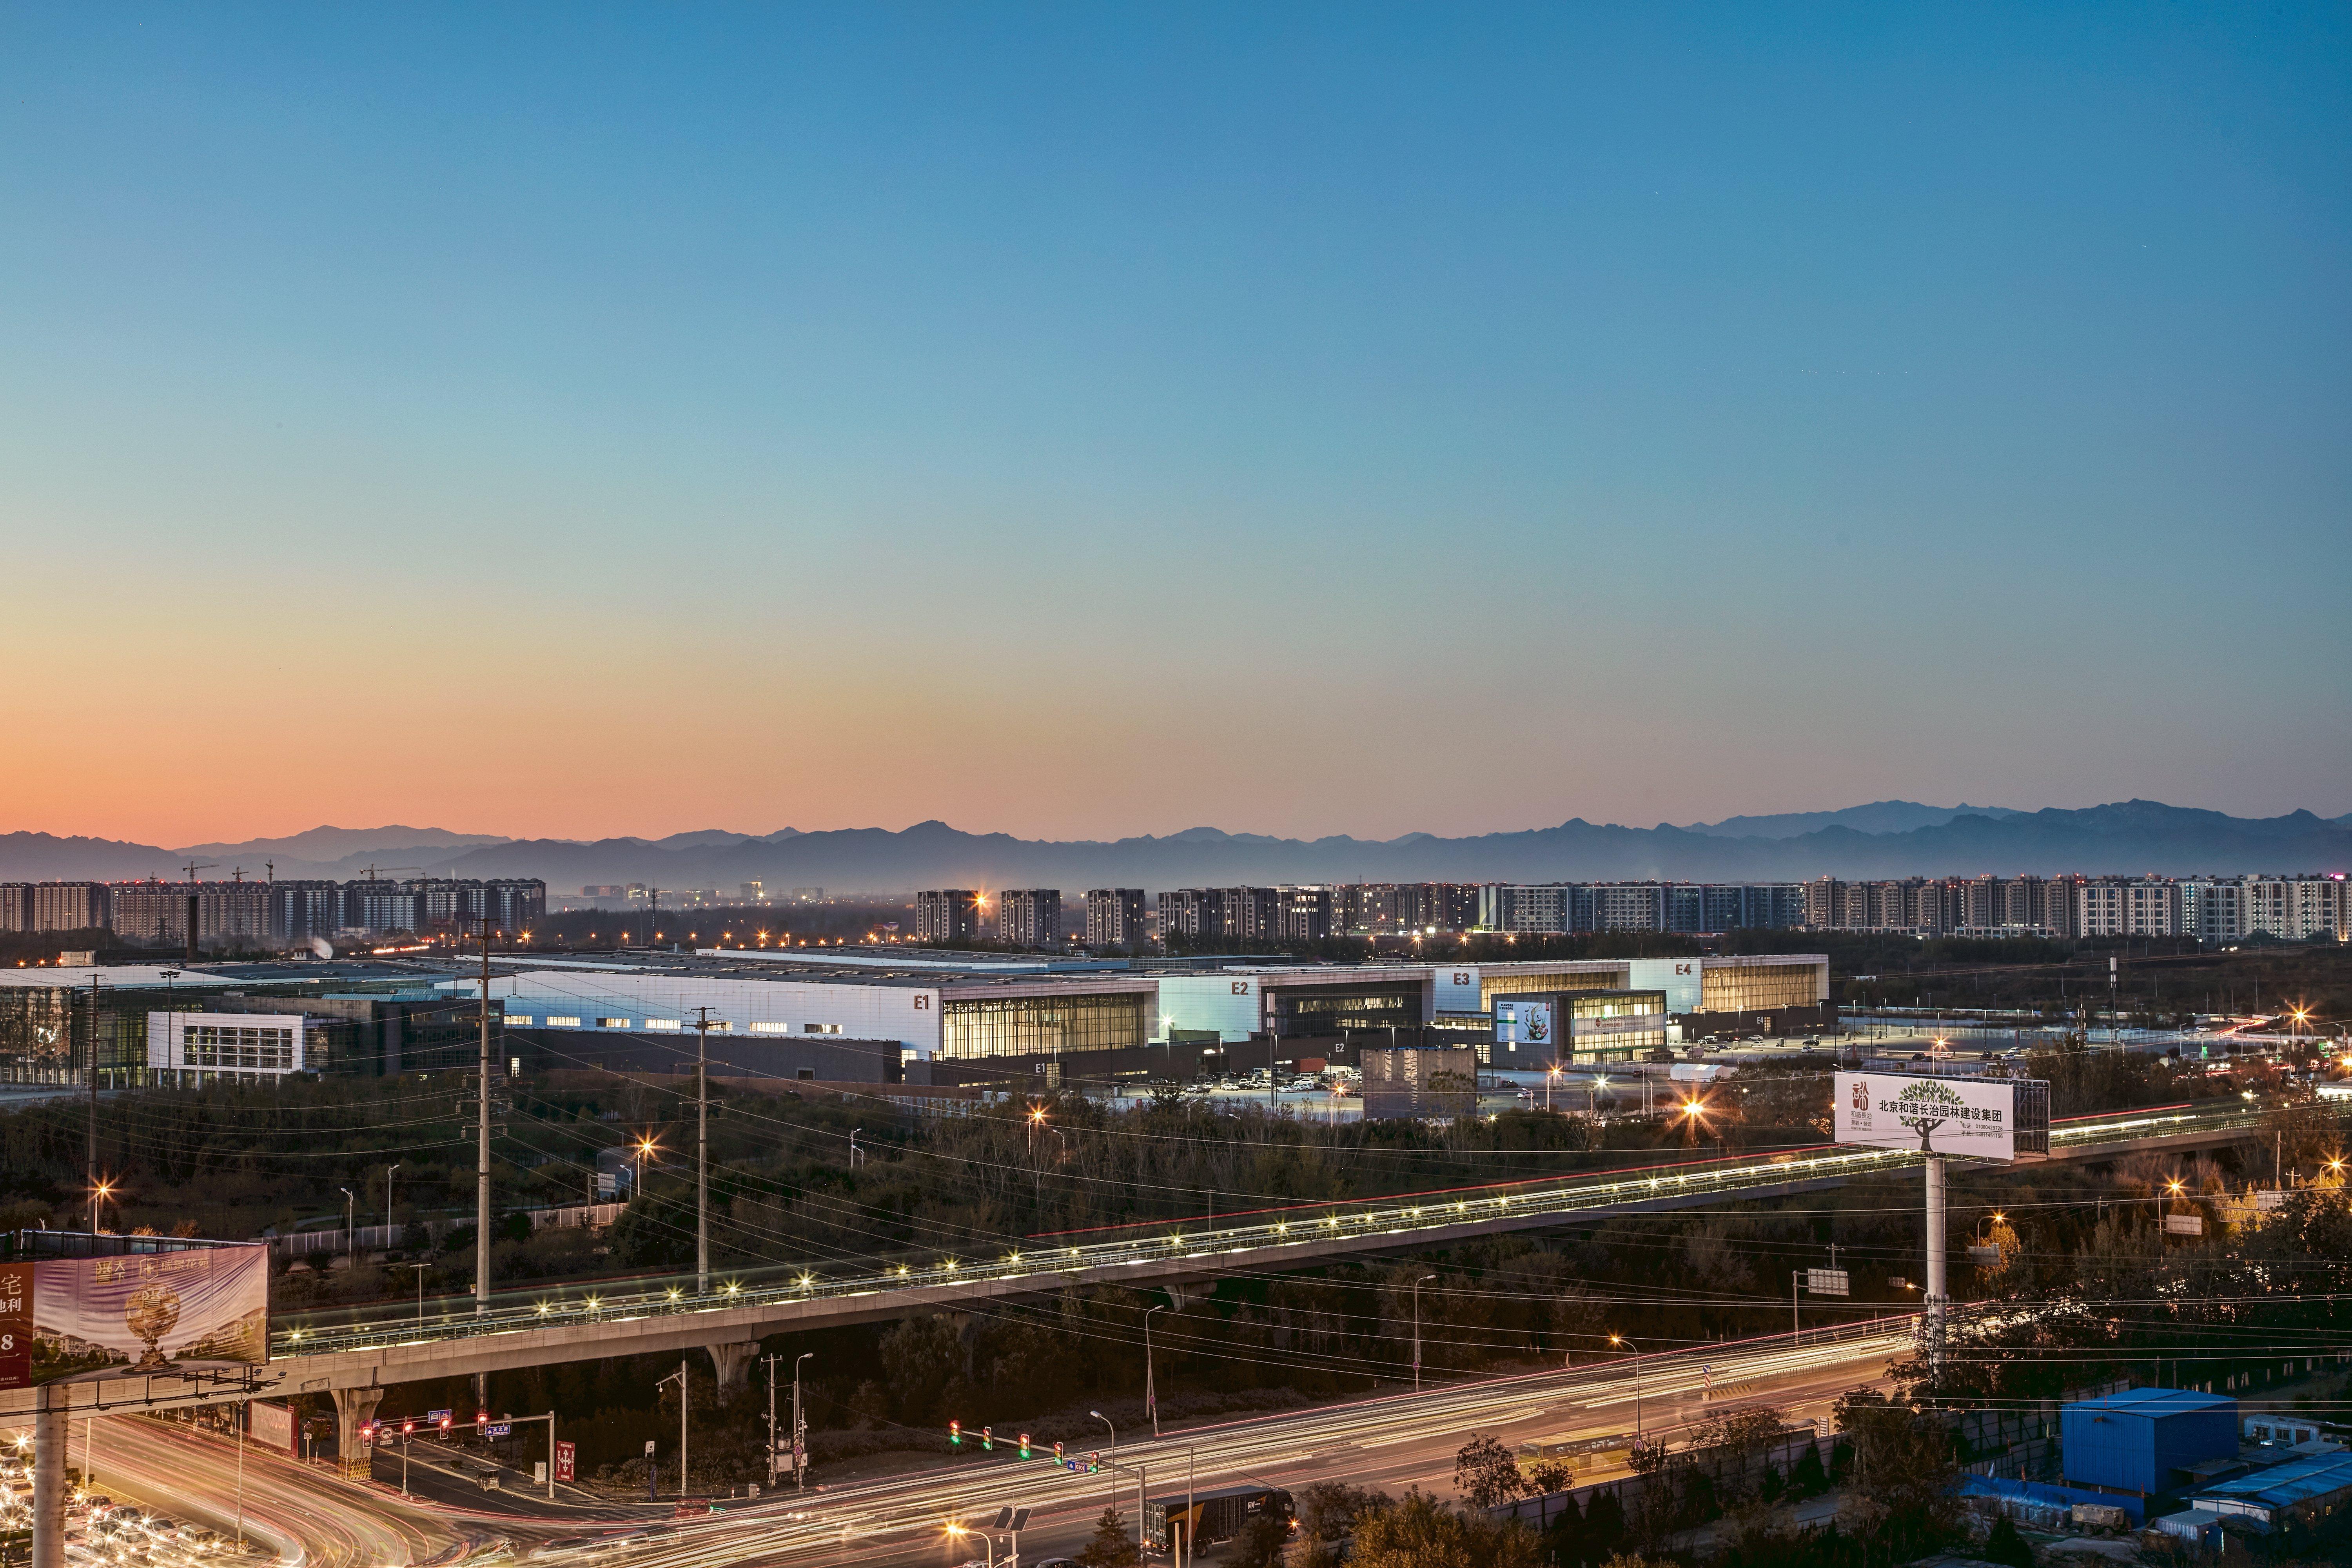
(445, 1422)
(408, 1427)
(482, 1419)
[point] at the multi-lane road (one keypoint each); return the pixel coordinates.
(1392, 1442)
(301, 1515)
(298, 1514)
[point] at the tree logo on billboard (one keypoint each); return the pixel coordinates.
(1924, 1105)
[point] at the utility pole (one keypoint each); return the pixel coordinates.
(1934, 1323)
(1151, 1395)
(772, 1415)
(90, 1158)
(1416, 1329)
(482, 1149)
(800, 1428)
(702, 1151)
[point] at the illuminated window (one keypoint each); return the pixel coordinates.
(554, 1023)
(1043, 1026)
(235, 1049)
(612, 1023)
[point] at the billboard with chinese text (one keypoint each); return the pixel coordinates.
(1975, 1117)
(133, 1314)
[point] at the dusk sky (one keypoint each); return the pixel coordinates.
(1104, 419)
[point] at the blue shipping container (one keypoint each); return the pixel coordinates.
(2134, 1442)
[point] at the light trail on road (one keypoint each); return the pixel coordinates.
(1387, 1440)
(309, 1519)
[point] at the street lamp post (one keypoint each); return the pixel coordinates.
(1621, 1340)
(387, 1203)
(351, 1224)
(1112, 1501)
(1416, 1329)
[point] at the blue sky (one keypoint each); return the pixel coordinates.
(1082, 420)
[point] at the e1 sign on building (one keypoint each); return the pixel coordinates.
(1975, 1117)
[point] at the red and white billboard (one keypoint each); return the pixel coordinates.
(134, 1314)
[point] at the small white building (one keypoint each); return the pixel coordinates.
(189, 1048)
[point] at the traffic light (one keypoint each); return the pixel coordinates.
(1094, 1463)
(1024, 1445)
(987, 1438)
(955, 1434)
(408, 1427)
(445, 1423)
(481, 1422)
(1058, 1453)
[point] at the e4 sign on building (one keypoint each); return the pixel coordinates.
(1975, 1117)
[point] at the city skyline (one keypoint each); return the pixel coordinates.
(620, 424)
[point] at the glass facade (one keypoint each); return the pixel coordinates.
(1044, 1025)
(1588, 978)
(1760, 987)
(1315, 1010)
(1615, 1026)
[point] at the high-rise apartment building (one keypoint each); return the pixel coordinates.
(158, 911)
(53, 906)
(1029, 917)
(1114, 919)
(1251, 914)
(1191, 913)
(1304, 913)
(947, 914)
(2138, 906)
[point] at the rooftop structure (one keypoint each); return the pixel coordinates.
(2297, 1491)
(2135, 1442)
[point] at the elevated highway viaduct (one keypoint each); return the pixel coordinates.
(355, 1362)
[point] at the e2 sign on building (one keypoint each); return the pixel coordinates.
(1974, 1117)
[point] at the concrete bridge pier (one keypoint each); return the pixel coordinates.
(732, 1363)
(51, 1433)
(352, 1407)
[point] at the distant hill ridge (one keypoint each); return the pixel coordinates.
(2128, 837)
